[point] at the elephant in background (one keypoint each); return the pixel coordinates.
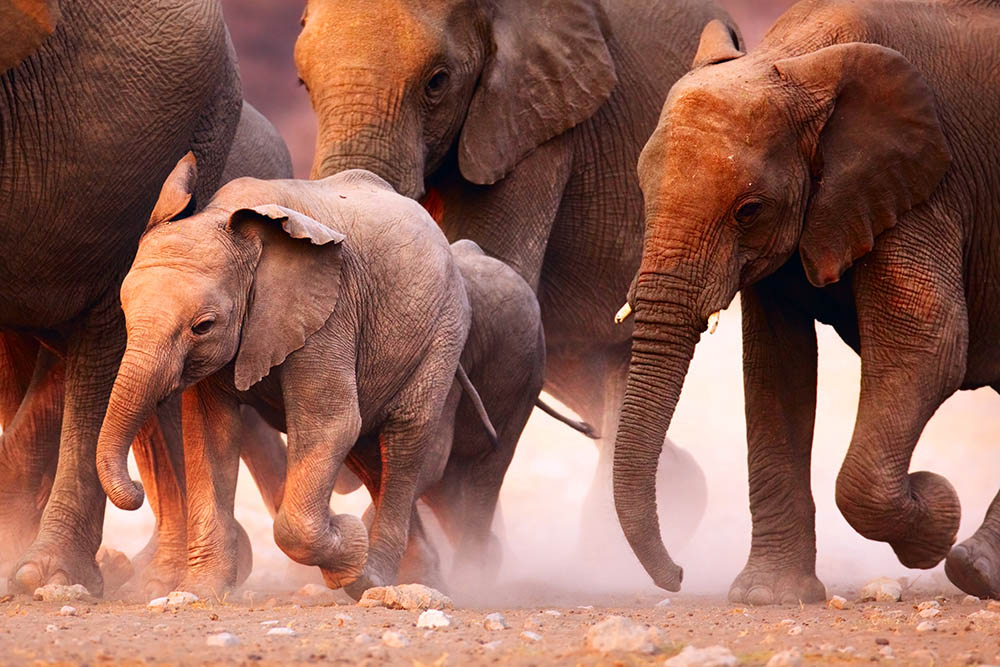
(846, 171)
(519, 123)
(81, 164)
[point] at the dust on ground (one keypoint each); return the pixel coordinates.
(116, 632)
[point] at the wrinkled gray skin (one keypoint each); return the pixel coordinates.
(358, 339)
(504, 356)
(846, 171)
(522, 121)
(81, 163)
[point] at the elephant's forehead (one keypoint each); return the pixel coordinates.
(188, 241)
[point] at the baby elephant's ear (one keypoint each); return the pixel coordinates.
(295, 286)
(177, 194)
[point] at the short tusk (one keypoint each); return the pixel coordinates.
(713, 321)
(623, 313)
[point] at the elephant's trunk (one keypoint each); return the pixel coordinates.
(136, 392)
(663, 343)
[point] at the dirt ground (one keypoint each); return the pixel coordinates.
(35, 633)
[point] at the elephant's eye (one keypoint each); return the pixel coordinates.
(748, 212)
(202, 327)
(437, 83)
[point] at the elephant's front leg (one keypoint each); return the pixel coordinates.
(779, 371)
(974, 565)
(218, 550)
(72, 523)
(913, 329)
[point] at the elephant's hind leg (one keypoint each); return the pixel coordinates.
(779, 368)
(974, 565)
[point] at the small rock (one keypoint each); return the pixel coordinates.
(929, 604)
(315, 595)
(665, 602)
(970, 599)
(585, 606)
(795, 630)
(530, 636)
(67, 611)
(926, 626)
(837, 602)
(923, 658)
(881, 641)
(983, 615)
(157, 604)
(51, 628)
(281, 632)
(363, 638)
(493, 645)
(882, 590)
(406, 596)
(60, 593)
(886, 652)
(222, 639)
(342, 618)
(993, 605)
(787, 621)
(495, 621)
(713, 656)
(789, 658)
(617, 633)
(847, 650)
(552, 612)
(930, 612)
(269, 623)
(394, 639)
(433, 618)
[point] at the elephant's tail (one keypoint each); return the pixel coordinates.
(581, 426)
(477, 402)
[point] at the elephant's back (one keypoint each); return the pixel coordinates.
(90, 126)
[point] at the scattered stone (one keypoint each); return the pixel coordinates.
(174, 600)
(493, 645)
(495, 621)
(923, 658)
(886, 652)
(930, 612)
(406, 596)
(51, 628)
(60, 593)
(342, 619)
(926, 626)
(222, 639)
(929, 604)
(363, 638)
(115, 568)
(847, 650)
(837, 602)
(269, 623)
(881, 641)
(795, 630)
(983, 615)
(713, 656)
(665, 602)
(530, 636)
(970, 599)
(67, 611)
(433, 618)
(552, 612)
(789, 658)
(617, 633)
(882, 589)
(585, 606)
(787, 621)
(394, 639)
(315, 595)
(157, 604)
(281, 632)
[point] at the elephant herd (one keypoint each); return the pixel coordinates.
(492, 180)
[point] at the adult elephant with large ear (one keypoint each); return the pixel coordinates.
(845, 172)
(100, 101)
(519, 122)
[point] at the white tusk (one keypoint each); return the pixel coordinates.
(623, 313)
(713, 322)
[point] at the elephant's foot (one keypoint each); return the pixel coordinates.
(931, 535)
(974, 566)
(358, 587)
(214, 571)
(18, 528)
(116, 568)
(760, 585)
(158, 570)
(49, 563)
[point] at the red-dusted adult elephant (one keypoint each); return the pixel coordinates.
(846, 171)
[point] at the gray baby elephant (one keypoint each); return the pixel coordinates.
(335, 309)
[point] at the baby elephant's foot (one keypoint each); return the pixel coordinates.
(759, 585)
(358, 587)
(974, 566)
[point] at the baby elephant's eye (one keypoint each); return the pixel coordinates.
(202, 327)
(748, 212)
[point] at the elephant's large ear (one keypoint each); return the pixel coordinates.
(24, 25)
(880, 150)
(295, 286)
(719, 43)
(177, 194)
(550, 70)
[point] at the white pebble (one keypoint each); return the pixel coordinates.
(787, 621)
(552, 612)
(433, 618)
(395, 639)
(789, 658)
(795, 630)
(713, 656)
(269, 623)
(495, 621)
(926, 626)
(531, 636)
(363, 638)
(51, 628)
(837, 602)
(281, 632)
(930, 612)
(882, 589)
(222, 639)
(67, 611)
(665, 602)
(970, 599)
(929, 604)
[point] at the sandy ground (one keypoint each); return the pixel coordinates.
(120, 633)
